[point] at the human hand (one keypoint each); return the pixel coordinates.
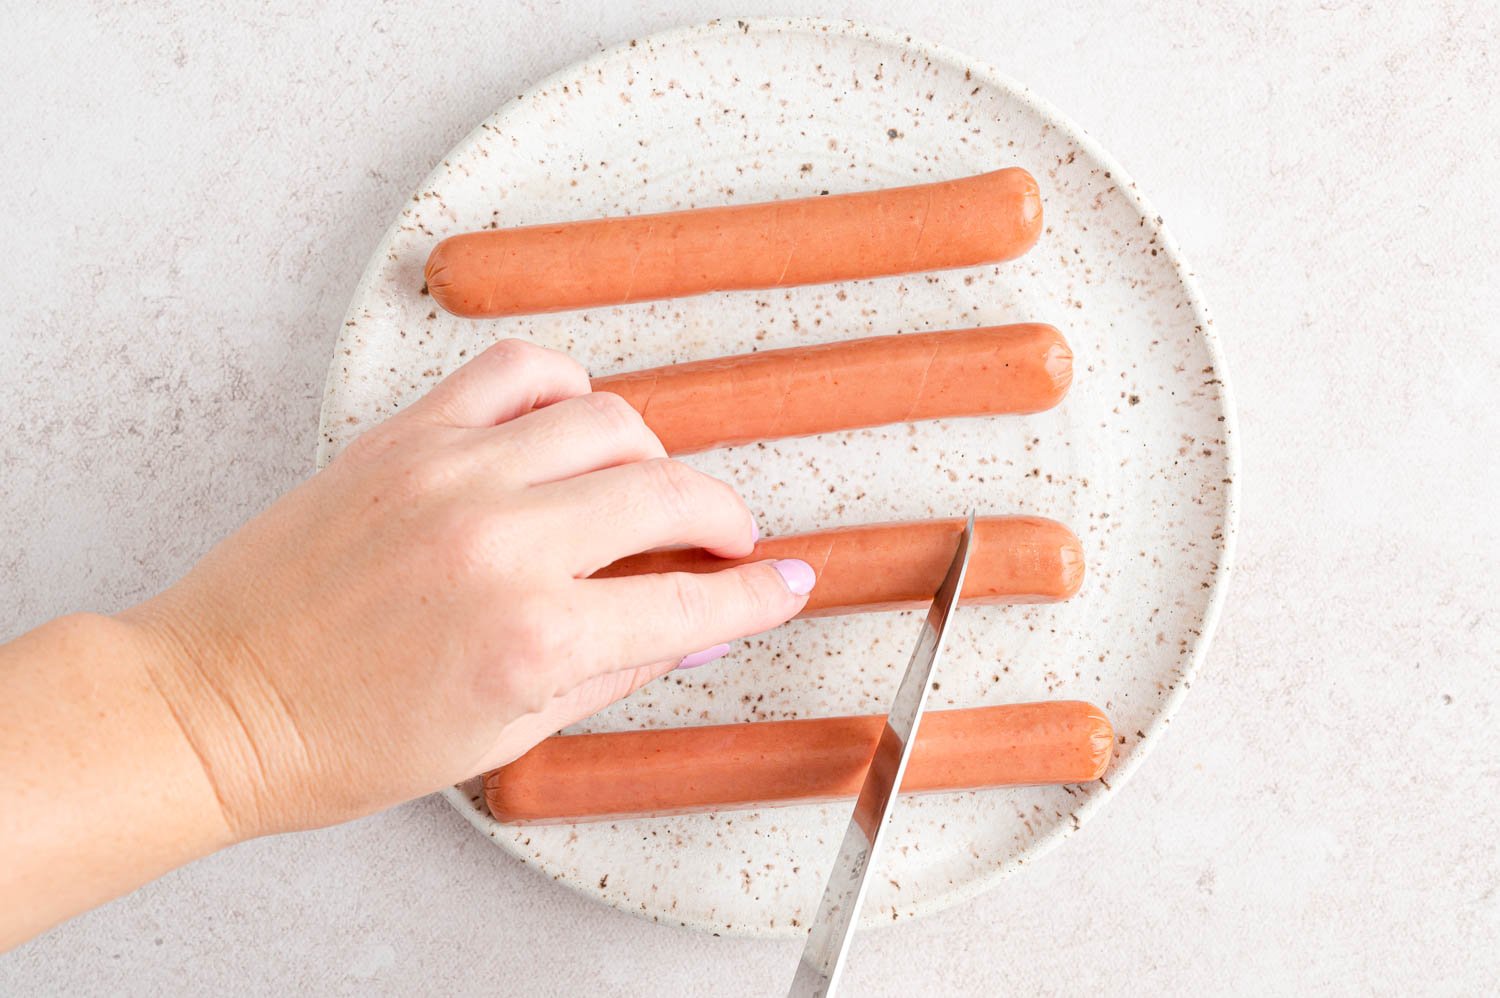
(421, 611)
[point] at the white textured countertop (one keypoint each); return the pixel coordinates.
(190, 199)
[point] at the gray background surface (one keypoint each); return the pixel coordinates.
(191, 196)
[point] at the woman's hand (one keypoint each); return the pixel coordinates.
(421, 611)
(418, 612)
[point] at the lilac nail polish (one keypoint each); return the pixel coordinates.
(703, 657)
(754, 531)
(797, 574)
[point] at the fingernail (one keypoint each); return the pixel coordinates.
(703, 657)
(797, 574)
(754, 531)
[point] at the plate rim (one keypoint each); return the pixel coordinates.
(957, 894)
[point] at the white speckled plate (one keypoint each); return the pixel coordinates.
(1138, 459)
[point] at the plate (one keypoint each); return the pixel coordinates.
(1139, 459)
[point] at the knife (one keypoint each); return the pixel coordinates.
(833, 926)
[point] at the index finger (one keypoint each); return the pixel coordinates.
(507, 380)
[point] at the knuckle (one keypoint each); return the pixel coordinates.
(539, 654)
(518, 687)
(430, 474)
(505, 358)
(532, 641)
(763, 598)
(512, 352)
(463, 534)
(676, 487)
(613, 413)
(689, 600)
(726, 500)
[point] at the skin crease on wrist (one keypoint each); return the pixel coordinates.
(418, 612)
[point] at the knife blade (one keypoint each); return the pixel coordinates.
(828, 941)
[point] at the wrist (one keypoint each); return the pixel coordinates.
(101, 790)
(216, 705)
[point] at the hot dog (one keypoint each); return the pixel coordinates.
(612, 261)
(898, 566)
(767, 763)
(847, 385)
